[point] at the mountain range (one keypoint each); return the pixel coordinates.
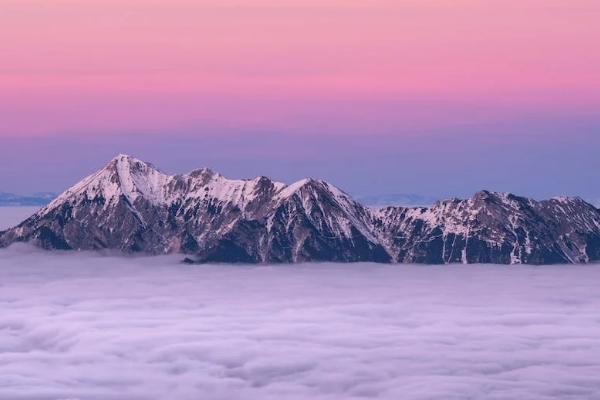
(130, 206)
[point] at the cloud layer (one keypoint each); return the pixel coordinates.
(80, 326)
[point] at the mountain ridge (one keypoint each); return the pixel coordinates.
(131, 206)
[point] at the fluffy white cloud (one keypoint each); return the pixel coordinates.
(81, 326)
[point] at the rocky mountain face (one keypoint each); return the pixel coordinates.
(130, 206)
(492, 228)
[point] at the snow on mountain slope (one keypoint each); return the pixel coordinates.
(492, 227)
(122, 176)
(131, 206)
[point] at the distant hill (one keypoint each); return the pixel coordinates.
(36, 199)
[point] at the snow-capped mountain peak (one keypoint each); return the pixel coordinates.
(124, 176)
(132, 206)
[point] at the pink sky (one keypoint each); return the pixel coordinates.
(71, 66)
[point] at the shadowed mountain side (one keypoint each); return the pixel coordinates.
(131, 206)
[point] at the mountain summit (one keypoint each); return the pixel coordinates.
(131, 206)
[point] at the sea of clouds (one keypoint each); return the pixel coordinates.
(84, 326)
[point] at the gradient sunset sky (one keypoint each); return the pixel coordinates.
(437, 97)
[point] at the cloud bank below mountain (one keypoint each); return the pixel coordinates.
(91, 327)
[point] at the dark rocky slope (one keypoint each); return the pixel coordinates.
(130, 206)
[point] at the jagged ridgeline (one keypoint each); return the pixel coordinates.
(131, 206)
